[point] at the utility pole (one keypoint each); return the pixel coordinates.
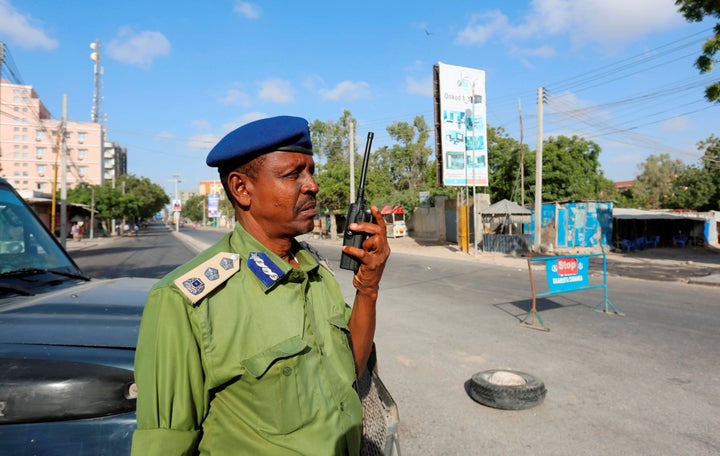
(538, 172)
(522, 158)
(92, 212)
(176, 214)
(96, 116)
(474, 163)
(53, 209)
(351, 154)
(63, 175)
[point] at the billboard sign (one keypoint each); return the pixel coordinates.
(213, 205)
(461, 115)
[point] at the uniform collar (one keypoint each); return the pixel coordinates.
(267, 267)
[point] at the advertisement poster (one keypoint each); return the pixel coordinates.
(567, 274)
(463, 126)
(213, 204)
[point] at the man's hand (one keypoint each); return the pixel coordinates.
(372, 256)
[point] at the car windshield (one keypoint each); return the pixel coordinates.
(25, 243)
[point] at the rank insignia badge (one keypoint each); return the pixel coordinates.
(206, 277)
(264, 268)
(194, 285)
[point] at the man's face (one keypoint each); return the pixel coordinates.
(282, 194)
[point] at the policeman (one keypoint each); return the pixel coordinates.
(249, 348)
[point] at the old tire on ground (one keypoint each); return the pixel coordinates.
(506, 389)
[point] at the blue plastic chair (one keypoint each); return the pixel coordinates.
(628, 245)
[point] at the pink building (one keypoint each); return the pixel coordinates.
(29, 145)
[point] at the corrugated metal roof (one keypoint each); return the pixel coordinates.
(505, 207)
(639, 214)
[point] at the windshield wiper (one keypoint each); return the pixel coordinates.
(34, 271)
(17, 290)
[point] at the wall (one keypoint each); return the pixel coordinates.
(428, 223)
(439, 223)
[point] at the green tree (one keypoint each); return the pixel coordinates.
(132, 198)
(571, 170)
(711, 167)
(691, 190)
(226, 208)
(194, 208)
(696, 11)
(504, 166)
(698, 187)
(330, 144)
(404, 169)
(141, 198)
(653, 185)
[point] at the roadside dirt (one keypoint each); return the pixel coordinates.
(665, 263)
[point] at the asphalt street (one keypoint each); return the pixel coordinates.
(646, 383)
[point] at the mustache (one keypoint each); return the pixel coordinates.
(310, 203)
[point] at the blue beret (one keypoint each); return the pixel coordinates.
(286, 133)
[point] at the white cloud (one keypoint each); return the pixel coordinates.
(139, 49)
(247, 10)
(616, 22)
(312, 82)
(276, 91)
(541, 51)
(20, 30)
(202, 142)
(679, 123)
(492, 23)
(609, 23)
(165, 135)
(201, 124)
(419, 87)
(235, 97)
(346, 90)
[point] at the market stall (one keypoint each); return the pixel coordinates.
(394, 221)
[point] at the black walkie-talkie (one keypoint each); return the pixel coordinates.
(357, 213)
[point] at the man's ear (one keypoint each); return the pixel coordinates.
(239, 188)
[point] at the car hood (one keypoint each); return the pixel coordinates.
(99, 313)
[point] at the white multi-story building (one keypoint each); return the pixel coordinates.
(30, 146)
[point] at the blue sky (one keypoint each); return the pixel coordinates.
(179, 75)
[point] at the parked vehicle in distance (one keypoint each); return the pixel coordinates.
(67, 345)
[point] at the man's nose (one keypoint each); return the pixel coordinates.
(311, 185)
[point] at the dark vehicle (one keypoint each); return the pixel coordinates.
(67, 344)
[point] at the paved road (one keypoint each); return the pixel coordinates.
(647, 383)
(153, 253)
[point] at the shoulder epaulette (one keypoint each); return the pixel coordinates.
(318, 257)
(204, 278)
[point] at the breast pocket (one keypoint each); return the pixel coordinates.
(274, 387)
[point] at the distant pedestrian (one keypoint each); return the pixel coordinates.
(136, 229)
(75, 231)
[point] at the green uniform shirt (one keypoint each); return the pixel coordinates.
(260, 366)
